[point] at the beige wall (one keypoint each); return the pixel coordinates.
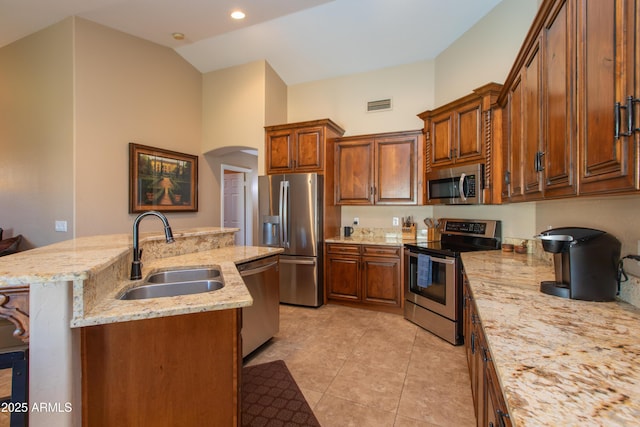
(234, 105)
(131, 90)
(36, 135)
(486, 52)
(344, 99)
(73, 96)
(276, 90)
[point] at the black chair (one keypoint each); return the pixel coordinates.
(17, 359)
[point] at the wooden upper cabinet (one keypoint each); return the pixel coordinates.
(607, 67)
(532, 126)
(300, 147)
(455, 133)
(577, 63)
(558, 157)
(354, 172)
(397, 169)
(541, 149)
(380, 169)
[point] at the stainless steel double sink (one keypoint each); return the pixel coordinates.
(183, 281)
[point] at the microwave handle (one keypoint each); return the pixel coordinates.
(463, 176)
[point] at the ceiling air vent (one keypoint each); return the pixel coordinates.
(380, 105)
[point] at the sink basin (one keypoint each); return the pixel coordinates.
(158, 290)
(172, 283)
(184, 275)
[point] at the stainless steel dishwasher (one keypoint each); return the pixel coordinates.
(260, 321)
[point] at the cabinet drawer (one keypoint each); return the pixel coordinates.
(379, 250)
(341, 248)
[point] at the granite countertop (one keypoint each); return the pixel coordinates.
(371, 240)
(559, 361)
(97, 269)
(77, 259)
(234, 294)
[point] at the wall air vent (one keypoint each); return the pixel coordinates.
(379, 105)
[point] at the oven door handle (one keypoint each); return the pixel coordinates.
(434, 259)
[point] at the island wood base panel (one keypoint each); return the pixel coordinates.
(168, 371)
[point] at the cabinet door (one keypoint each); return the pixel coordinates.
(558, 92)
(477, 367)
(396, 170)
(467, 326)
(468, 133)
(441, 139)
(605, 76)
(354, 173)
(343, 277)
(279, 151)
(381, 280)
(496, 409)
(309, 149)
(513, 175)
(532, 125)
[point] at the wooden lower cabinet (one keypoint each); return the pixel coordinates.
(365, 274)
(488, 400)
(169, 371)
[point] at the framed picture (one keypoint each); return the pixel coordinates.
(162, 180)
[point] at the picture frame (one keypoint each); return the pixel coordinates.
(162, 180)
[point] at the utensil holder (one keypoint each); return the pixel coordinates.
(433, 234)
(409, 233)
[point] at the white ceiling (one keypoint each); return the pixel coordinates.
(303, 40)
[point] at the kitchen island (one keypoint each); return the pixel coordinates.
(73, 284)
(558, 361)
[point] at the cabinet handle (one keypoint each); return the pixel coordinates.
(501, 416)
(538, 161)
(507, 178)
(485, 355)
(473, 343)
(631, 101)
(630, 118)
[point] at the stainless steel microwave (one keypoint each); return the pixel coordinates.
(461, 185)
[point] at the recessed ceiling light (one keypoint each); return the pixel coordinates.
(237, 14)
(178, 36)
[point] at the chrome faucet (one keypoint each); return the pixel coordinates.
(136, 265)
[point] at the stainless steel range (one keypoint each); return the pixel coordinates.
(433, 274)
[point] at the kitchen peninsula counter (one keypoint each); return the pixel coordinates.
(97, 268)
(74, 283)
(559, 361)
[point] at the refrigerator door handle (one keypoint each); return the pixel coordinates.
(284, 213)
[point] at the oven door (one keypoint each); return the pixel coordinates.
(441, 295)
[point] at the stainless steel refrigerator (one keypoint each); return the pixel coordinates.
(290, 217)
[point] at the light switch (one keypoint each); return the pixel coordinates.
(396, 220)
(61, 226)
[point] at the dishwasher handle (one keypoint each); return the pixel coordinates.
(258, 270)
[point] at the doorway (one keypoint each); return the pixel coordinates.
(234, 210)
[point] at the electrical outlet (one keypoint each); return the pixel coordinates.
(61, 226)
(396, 220)
(356, 221)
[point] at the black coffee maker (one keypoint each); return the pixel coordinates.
(585, 262)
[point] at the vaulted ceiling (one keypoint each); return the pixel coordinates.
(303, 40)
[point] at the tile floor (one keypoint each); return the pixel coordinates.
(364, 368)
